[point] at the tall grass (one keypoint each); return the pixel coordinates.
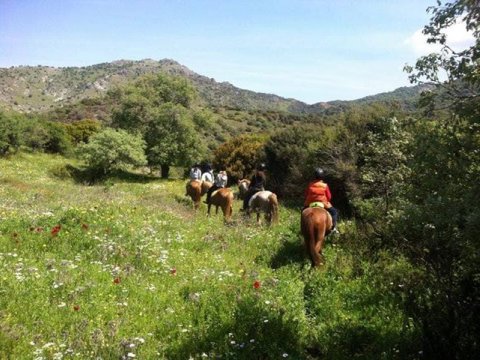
(126, 269)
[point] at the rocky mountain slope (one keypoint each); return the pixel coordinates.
(40, 88)
(44, 88)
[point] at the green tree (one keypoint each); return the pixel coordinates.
(442, 223)
(111, 150)
(291, 158)
(240, 155)
(171, 138)
(158, 107)
(10, 134)
(80, 131)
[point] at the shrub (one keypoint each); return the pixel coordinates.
(113, 150)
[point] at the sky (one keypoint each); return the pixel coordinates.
(309, 50)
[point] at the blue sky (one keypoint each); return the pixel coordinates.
(310, 50)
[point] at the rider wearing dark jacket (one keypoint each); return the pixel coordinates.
(257, 183)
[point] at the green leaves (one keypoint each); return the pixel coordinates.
(113, 150)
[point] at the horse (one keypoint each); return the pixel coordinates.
(196, 189)
(264, 201)
(243, 185)
(316, 223)
(222, 198)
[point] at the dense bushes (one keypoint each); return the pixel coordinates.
(17, 130)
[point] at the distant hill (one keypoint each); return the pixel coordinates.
(45, 88)
(42, 88)
(405, 96)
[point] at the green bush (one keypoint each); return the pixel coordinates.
(112, 150)
(10, 134)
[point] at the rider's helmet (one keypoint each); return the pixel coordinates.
(208, 167)
(261, 167)
(319, 174)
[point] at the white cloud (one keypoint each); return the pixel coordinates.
(458, 38)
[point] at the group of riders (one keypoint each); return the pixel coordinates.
(317, 193)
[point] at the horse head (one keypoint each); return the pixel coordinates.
(243, 185)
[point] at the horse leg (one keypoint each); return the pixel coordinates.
(208, 211)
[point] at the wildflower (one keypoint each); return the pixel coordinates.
(256, 284)
(173, 271)
(116, 280)
(285, 355)
(76, 307)
(56, 229)
(84, 226)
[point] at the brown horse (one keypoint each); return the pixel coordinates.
(243, 185)
(222, 198)
(196, 189)
(316, 222)
(264, 201)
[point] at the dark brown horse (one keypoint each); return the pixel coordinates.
(266, 202)
(196, 189)
(316, 222)
(222, 198)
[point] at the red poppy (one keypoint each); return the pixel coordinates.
(173, 271)
(76, 307)
(55, 230)
(116, 280)
(256, 284)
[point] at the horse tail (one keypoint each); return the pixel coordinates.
(194, 190)
(229, 205)
(313, 229)
(273, 202)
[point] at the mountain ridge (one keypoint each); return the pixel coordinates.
(43, 88)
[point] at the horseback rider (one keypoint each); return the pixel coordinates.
(208, 174)
(195, 172)
(220, 182)
(257, 183)
(318, 194)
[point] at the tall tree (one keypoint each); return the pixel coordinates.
(443, 218)
(159, 108)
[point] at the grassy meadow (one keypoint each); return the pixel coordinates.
(126, 269)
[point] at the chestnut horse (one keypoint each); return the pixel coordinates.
(316, 222)
(264, 201)
(196, 189)
(243, 185)
(222, 198)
